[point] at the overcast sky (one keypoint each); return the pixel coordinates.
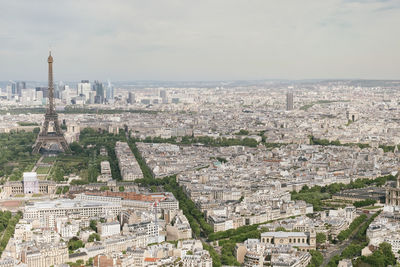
(200, 39)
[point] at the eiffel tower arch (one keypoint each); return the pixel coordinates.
(45, 138)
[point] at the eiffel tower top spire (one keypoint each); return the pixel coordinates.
(51, 86)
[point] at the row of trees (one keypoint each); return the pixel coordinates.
(9, 231)
(358, 243)
(316, 258)
(325, 142)
(205, 140)
(382, 257)
(363, 203)
(354, 224)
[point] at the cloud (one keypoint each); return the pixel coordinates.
(200, 40)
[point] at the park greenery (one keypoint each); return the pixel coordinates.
(85, 159)
(316, 194)
(16, 154)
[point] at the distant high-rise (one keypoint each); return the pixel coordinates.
(20, 87)
(289, 101)
(13, 88)
(131, 98)
(99, 88)
(45, 91)
(84, 88)
(163, 95)
(109, 91)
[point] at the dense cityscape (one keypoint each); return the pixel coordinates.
(260, 173)
(199, 133)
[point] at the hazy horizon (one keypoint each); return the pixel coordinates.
(178, 41)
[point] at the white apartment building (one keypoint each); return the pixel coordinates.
(108, 229)
(47, 211)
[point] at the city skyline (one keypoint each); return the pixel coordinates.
(190, 41)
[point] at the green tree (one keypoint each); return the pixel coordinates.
(316, 258)
(76, 148)
(74, 243)
(321, 238)
(104, 188)
(93, 225)
(94, 237)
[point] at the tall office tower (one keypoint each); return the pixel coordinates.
(289, 101)
(39, 96)
(99, 88)
(92, 97)
(58, 89)
(84, 88)
(20, 87)
(131, 98)
(45, 91)
(46, 139)
(9, 92)
(163, 95)
(13, 88)
(109, 91)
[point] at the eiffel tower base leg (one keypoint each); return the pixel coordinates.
(37, 147)
(44, 140)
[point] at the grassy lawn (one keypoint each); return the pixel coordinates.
(42, 170)
(372, 207)
(49, 159)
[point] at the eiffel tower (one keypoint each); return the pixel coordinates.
(46, 138)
